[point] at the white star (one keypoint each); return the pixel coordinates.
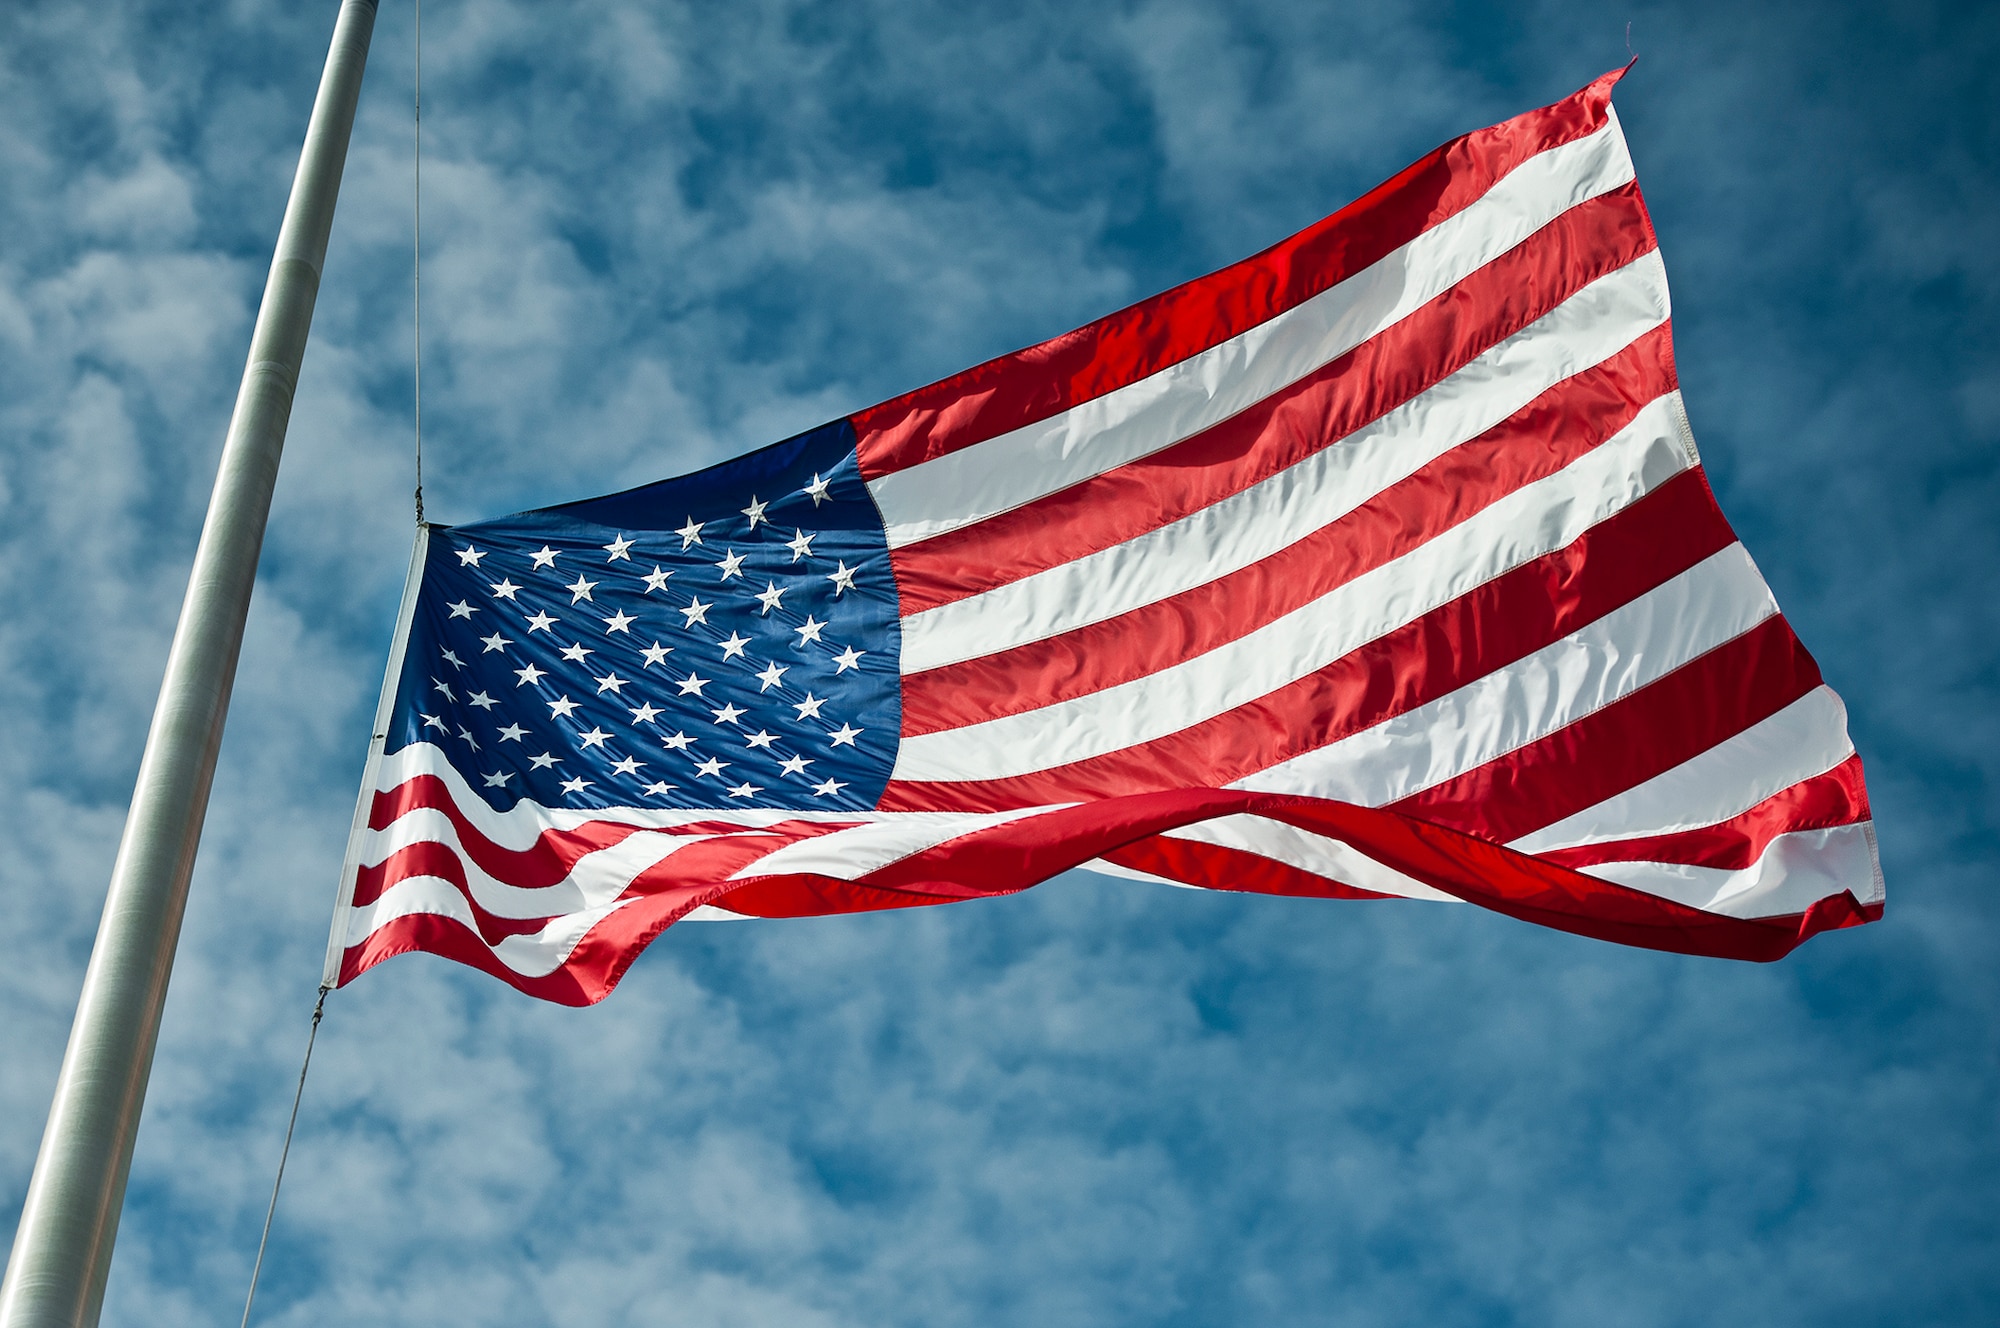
(482, 700)
(809, 708)
(659, 788)
(769, 597)
(810, 631)
(693, 683)
(800, 544)
(493, 643)
(770, 676)
(580, 589)
(616, 548)
(761, 738)
(469, 556)
(731, 564)
(575, 786)
(656, 654)
(690, 533)
(793, 765)
(499, 779)
(628, 766)
(529, 674)
(733, 647)
(842, 579)
(541, 622)
(830, 786)
(462, 610)
(755, 511)
(711, 766)
(453, 659)
(745, 790)
(595, 738)
(574, 654)
(645, 713)
(542, 762)
(610, 682)
(619, 621)
(849, 658)
(656, 579)
(513, 733)
(561, 708)
(546, 558)
(845, 735)
(504, 589)
(433, 722)
(817, 489)
(696, 612)
(440, 685)
(467, 735)
(726, 715)
(680, 742)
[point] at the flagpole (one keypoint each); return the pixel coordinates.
(62, 1249)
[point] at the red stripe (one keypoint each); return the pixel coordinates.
(1515, 614)
(599, 961)
(814, 897)
(1312, 414)
(1835, 798)
(1029, 385)
(432, 858)
(662, 894)
(1543, 893)
(1004, 859)
(1556, 428)
(554, 853)
(1219, 867)
(545, 862)
(697, 875)
(589, 975)
(429, 858)
(1636, 737)
(433, 933)
(730, 847)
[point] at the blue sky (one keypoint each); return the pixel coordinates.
(658, 235)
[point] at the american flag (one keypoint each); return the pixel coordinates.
(1379, 564)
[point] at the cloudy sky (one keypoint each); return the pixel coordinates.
(660, 234)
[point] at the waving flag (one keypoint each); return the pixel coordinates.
(1379, 564)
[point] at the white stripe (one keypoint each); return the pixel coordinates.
(1796, 871)
(711, 913)
(880, 839)
(1806, 738)
(519, 826)
(535, 955)
(595, 878)
(1105, 867)
(1331, 858)
(1585, 330)
(1528, 523)
(1181, 400)
(1711, 603)
(848, 855)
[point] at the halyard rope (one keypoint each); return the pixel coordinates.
(417, 253)
(319, 1009)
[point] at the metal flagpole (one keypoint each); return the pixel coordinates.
(62, 1249)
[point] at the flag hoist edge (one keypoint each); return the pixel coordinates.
(1379, 564)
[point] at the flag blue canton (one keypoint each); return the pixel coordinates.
(724, 639)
